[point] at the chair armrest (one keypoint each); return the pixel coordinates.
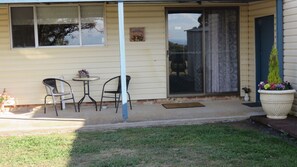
(109, 81)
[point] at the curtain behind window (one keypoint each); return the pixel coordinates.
(221, 36)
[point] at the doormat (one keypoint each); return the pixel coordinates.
(182, 105)
(256, 104)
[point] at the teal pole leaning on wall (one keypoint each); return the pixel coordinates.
(280, 36)
(123, 59)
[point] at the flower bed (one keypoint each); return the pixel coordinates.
(272, 86)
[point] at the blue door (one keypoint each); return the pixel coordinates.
(264, 33)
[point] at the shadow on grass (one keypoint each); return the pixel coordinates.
(195, 145)
(220, 144)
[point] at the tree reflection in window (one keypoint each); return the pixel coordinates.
(60, 34)
(57, 25)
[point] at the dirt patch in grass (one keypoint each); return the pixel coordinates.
(250, 125)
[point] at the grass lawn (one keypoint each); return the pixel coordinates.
(196, 145)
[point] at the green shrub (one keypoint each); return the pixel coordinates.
(273, 75)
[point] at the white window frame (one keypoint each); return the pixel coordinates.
(79, 24)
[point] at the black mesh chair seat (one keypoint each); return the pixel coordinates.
(115, 94)
(53, 90)
(111, 92)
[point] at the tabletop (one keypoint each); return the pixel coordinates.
(91, 78)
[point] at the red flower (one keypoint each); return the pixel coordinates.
(272, 86)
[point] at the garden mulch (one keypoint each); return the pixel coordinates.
(287, 126)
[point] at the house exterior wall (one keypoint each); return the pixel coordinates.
(290, 44)
(255, 10)
(23, 69)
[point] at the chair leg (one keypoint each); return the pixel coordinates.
(54, 104)
(44, 106)
(101, 101)
(61, 102)
(119, 99)
(74, 103)
(118, 102)
(115, 100)
(129, 100)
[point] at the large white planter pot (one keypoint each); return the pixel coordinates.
(277, 103)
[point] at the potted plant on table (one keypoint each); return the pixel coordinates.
(276, 96)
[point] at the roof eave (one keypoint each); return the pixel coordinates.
(148, 1)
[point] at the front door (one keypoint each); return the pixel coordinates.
(185, 52)
(264, 30)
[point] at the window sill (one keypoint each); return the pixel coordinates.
(55, 47)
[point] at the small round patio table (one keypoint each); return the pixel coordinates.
(86, 82)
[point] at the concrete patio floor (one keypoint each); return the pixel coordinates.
(32, 120)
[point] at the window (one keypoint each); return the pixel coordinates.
(22, 25)
(57, 26)
(92, 25)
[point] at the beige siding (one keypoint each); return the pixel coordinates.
(146, 61)
(4, 28)
(22, 70)
(257, 9)
(290, 44)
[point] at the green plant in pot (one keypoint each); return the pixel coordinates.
(3, 98)
(276, 96)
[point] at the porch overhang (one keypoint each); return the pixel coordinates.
(140, 1)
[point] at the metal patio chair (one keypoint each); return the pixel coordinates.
(54, 91)
(116, 93)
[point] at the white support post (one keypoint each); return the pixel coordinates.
(123, 59)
